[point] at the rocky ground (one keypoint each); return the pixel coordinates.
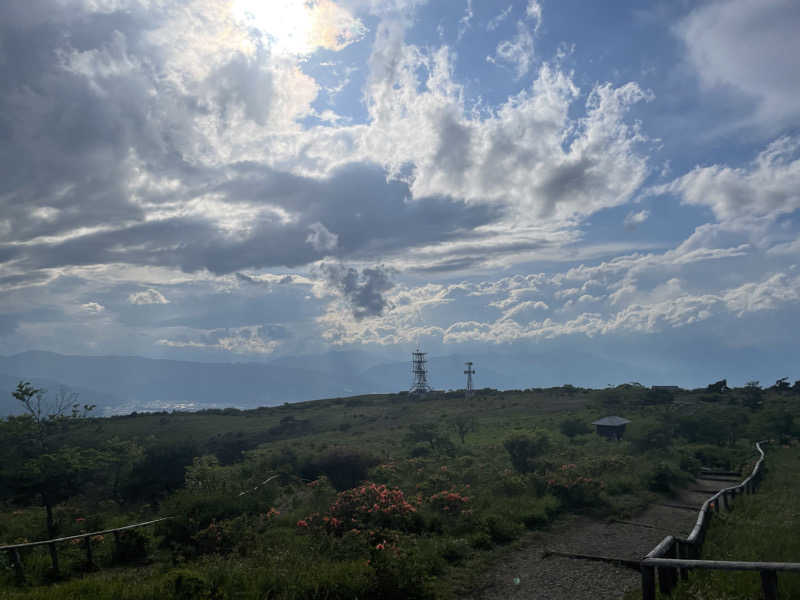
(528, 573)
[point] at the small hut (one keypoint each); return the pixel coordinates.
(611, 427)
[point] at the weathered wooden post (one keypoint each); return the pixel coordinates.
(683, 550)
(89, 561)
(769, 584)
(19, 574)
(54, 557)
(648, 582)
(668, 576)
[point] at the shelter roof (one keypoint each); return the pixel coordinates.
(611, 421)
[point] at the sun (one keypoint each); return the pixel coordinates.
(299, 27)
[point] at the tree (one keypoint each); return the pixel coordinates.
(718, 386)
(782, 385)
(39, 462)
(463, 425)
(752, 395)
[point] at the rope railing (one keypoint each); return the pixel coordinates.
(672, 558)
(16, 560)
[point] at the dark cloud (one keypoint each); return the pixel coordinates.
(364, 291)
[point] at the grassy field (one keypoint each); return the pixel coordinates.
(384, 496)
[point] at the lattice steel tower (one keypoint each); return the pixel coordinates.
(420, 373)
(469, 373)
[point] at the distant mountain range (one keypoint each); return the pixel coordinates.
(122, 384)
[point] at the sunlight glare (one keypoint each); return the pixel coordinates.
(299, 27)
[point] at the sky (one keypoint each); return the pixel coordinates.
(245, 180)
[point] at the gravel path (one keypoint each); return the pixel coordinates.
(525, 574)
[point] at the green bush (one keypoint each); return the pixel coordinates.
(345, 467)
(502, 530)
(523, 450)
(662, 478)
(189, 585)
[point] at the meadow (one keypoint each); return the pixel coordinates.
(382, 496)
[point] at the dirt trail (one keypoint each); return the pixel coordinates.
(525, 574)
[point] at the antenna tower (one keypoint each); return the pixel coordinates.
(469, 373)
(420, 372)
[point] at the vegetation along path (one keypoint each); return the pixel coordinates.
(538, 569)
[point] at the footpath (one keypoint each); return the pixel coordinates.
(530, 573)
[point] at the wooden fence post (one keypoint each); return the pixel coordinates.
(89, 561)
(725, 500)
(54, 558)
(684, 551)
(19, 573)
(648, 582)
(769, 584)
(668, 576)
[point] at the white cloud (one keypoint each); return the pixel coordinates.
(751, 46)
(495, 21)
(250, 339)
(93, 307)
(769, 186)
(148, 296)
(517, 51)
(632, 219)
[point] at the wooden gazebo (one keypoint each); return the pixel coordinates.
(611, 427)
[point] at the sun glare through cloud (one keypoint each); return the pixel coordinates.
(298, 28)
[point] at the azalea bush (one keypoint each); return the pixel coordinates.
(573, 489)
(368, 506)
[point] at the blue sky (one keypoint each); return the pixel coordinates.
(244, 180)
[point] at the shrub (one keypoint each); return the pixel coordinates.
(368, 506)
(523, 450)
(130, 547)
(502, 529)
(189, 585)
(662, 478)
(345, 468)
(449, 502)
(574, 490)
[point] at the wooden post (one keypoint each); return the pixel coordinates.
(13, 554)
(668, 576)
(683, 552)
(648, 583)
(769, 584)
(89, 561)
(725, 500)
(54, 558)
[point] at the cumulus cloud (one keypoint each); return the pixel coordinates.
(148, 296)
(633, 219)
(749, 46)
(767, 187)
(363, 291)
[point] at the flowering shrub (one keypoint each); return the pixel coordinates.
(572, 489)
(449, 502)
(364, 507)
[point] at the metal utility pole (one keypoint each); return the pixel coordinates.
(469, 373)
(419, 372)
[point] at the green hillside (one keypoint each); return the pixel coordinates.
(390, 496)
